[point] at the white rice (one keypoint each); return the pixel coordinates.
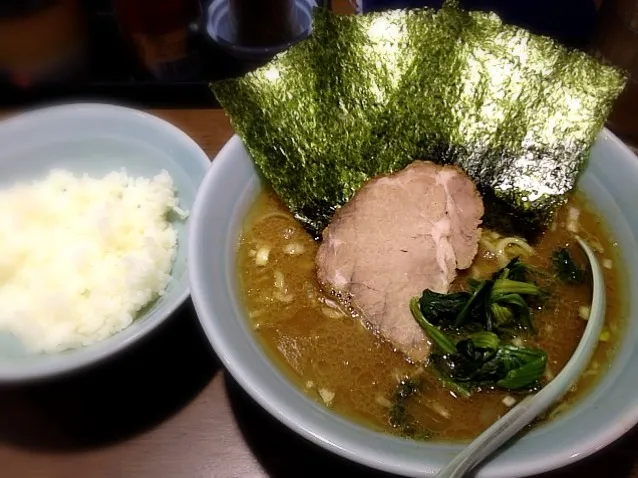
(81, 256)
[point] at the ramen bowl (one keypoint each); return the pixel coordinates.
(97, 139)
(602, 415)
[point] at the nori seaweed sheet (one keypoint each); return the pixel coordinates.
(366, 95)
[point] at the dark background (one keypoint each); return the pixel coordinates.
(115, 74)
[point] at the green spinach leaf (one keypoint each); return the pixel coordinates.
(496, 304)
(481, 359)
(442, 309)
(568, 271)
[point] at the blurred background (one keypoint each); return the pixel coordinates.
(163, 53)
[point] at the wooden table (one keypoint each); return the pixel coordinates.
(168, 409)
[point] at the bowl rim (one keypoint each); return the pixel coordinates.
(307, 427)
(80, 359)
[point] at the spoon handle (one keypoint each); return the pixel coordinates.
(493, 438)
(533, 405)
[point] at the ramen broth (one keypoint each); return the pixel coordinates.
(335, 359)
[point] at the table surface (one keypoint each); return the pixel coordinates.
(167, 408)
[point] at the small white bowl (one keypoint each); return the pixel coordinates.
(97, 139)
(606, 412)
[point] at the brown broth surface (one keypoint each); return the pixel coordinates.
(334, 358)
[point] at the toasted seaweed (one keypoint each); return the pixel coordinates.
(365, 95)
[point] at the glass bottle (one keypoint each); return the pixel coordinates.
(160, 31)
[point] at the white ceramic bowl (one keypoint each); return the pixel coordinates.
(97, 139)
(606, 413)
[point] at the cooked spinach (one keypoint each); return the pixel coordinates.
(405, 389)
(496, 304)
(473, 308)
(400, 419)
(455, 387)
(566, 268)
(526, 366)
(442, 308)
(504, 365)
(467, 329)
(440, 338)
(482, 359)
(514, 270)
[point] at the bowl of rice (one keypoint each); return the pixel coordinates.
(94, 207)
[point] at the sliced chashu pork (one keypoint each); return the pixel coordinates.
(401, 234)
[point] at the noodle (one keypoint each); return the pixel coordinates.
(271, 215)
(487, 244)
(497, 245)
(509, 241)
